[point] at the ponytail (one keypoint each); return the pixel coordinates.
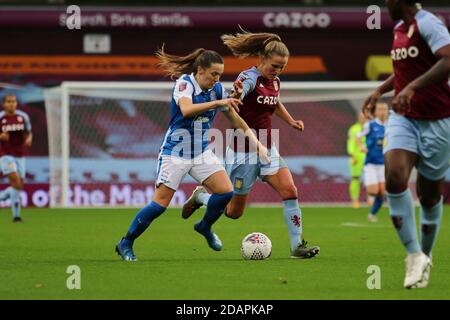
(176, 66)
(246, 44)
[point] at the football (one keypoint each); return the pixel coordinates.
(256, 246)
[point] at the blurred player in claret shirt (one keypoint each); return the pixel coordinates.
(15, 137)
(260, 95)
(418, 130)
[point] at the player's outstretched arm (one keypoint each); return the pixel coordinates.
(238, 123)
(364, 132)
(189, 109)
(369, 104)
(283, 114)
(438, 73)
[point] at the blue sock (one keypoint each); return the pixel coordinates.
(293, 218)
(430, 221)
(377, 204)
(15, 202)
(216, 205)
(5, 194)
(142, 220)
(401, 207)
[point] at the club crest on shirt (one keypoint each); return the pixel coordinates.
(19, 119)
(213, 95)
(182, 86)
(238, 183)
(275, 85)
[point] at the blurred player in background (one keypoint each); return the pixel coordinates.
(15, 136)
(261, 98)
(418, 131)
(356, 161)
(374, 181)
(196, 99)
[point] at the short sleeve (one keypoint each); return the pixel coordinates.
(26, 120)
(224, 93)
(365, 131)
(434, 32)
(27, 123)
(183, 88)
(248, 83)
(224, 96)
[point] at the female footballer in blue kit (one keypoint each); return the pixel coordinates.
(196, 98)
(374, 131)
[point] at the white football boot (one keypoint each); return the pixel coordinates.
(372, 218)
(416, 264)
(423, 283)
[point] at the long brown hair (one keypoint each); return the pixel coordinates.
(176, 66)
(245, 44)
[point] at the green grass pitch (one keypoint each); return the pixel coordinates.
(176, 263)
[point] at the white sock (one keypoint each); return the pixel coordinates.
(203, 197)
(15, 202)
(5, 194)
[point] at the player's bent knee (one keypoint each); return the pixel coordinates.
(17, 185)
(233, 214)
(289, 192)
(396, 182)
(429, 201)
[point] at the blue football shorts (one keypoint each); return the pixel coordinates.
(429, 139)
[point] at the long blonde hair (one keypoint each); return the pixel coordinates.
(176, 66)
(246, 44)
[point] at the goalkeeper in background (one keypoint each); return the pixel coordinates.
(356, 161)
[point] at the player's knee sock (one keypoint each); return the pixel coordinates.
(203, 197)
(430, 221)
(142, 220)
(15, 202)
(354, 189)
(293, 218)
(377, 204)
(401, 208)
(5, 194)
(216, 205)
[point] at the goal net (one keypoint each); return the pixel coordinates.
(104, 140)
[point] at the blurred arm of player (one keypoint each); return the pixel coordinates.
(283, 114)
(238, 123)
(438, 73)
(4, 136)
(351, 147)
(189, 109)
(365, 131)
(28, 139)
(369, 104)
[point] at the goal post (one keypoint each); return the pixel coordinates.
(104, 139)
